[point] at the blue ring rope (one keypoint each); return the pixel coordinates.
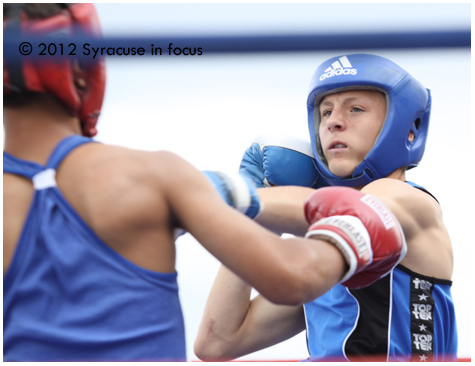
(258, 43)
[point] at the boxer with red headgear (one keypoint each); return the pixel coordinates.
(88, 241)
(79, 86)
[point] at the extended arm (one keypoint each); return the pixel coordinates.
(283, 209)
(285, 271)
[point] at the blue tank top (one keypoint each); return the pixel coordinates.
(404, 316)
(67, 296)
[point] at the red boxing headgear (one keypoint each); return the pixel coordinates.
(79, 86)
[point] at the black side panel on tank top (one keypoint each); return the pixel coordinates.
(370, 336)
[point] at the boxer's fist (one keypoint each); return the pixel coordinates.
(361, 227)
(280, 161)
(237, 191)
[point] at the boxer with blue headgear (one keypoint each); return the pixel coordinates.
(368, 121)
(408, 111)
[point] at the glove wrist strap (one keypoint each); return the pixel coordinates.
(341, 231)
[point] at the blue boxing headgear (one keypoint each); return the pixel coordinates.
(408, 109)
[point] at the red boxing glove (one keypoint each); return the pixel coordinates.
(361, 227)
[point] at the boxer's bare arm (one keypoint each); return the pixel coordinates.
(429, 247)
(233, 325)
(283, 209)
(287, 271)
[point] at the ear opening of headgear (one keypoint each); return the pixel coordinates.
(80, 86)
(408, 104)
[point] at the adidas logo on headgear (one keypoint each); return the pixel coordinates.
(340, 67)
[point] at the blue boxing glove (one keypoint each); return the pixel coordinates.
(238, 191)
(281, 161)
